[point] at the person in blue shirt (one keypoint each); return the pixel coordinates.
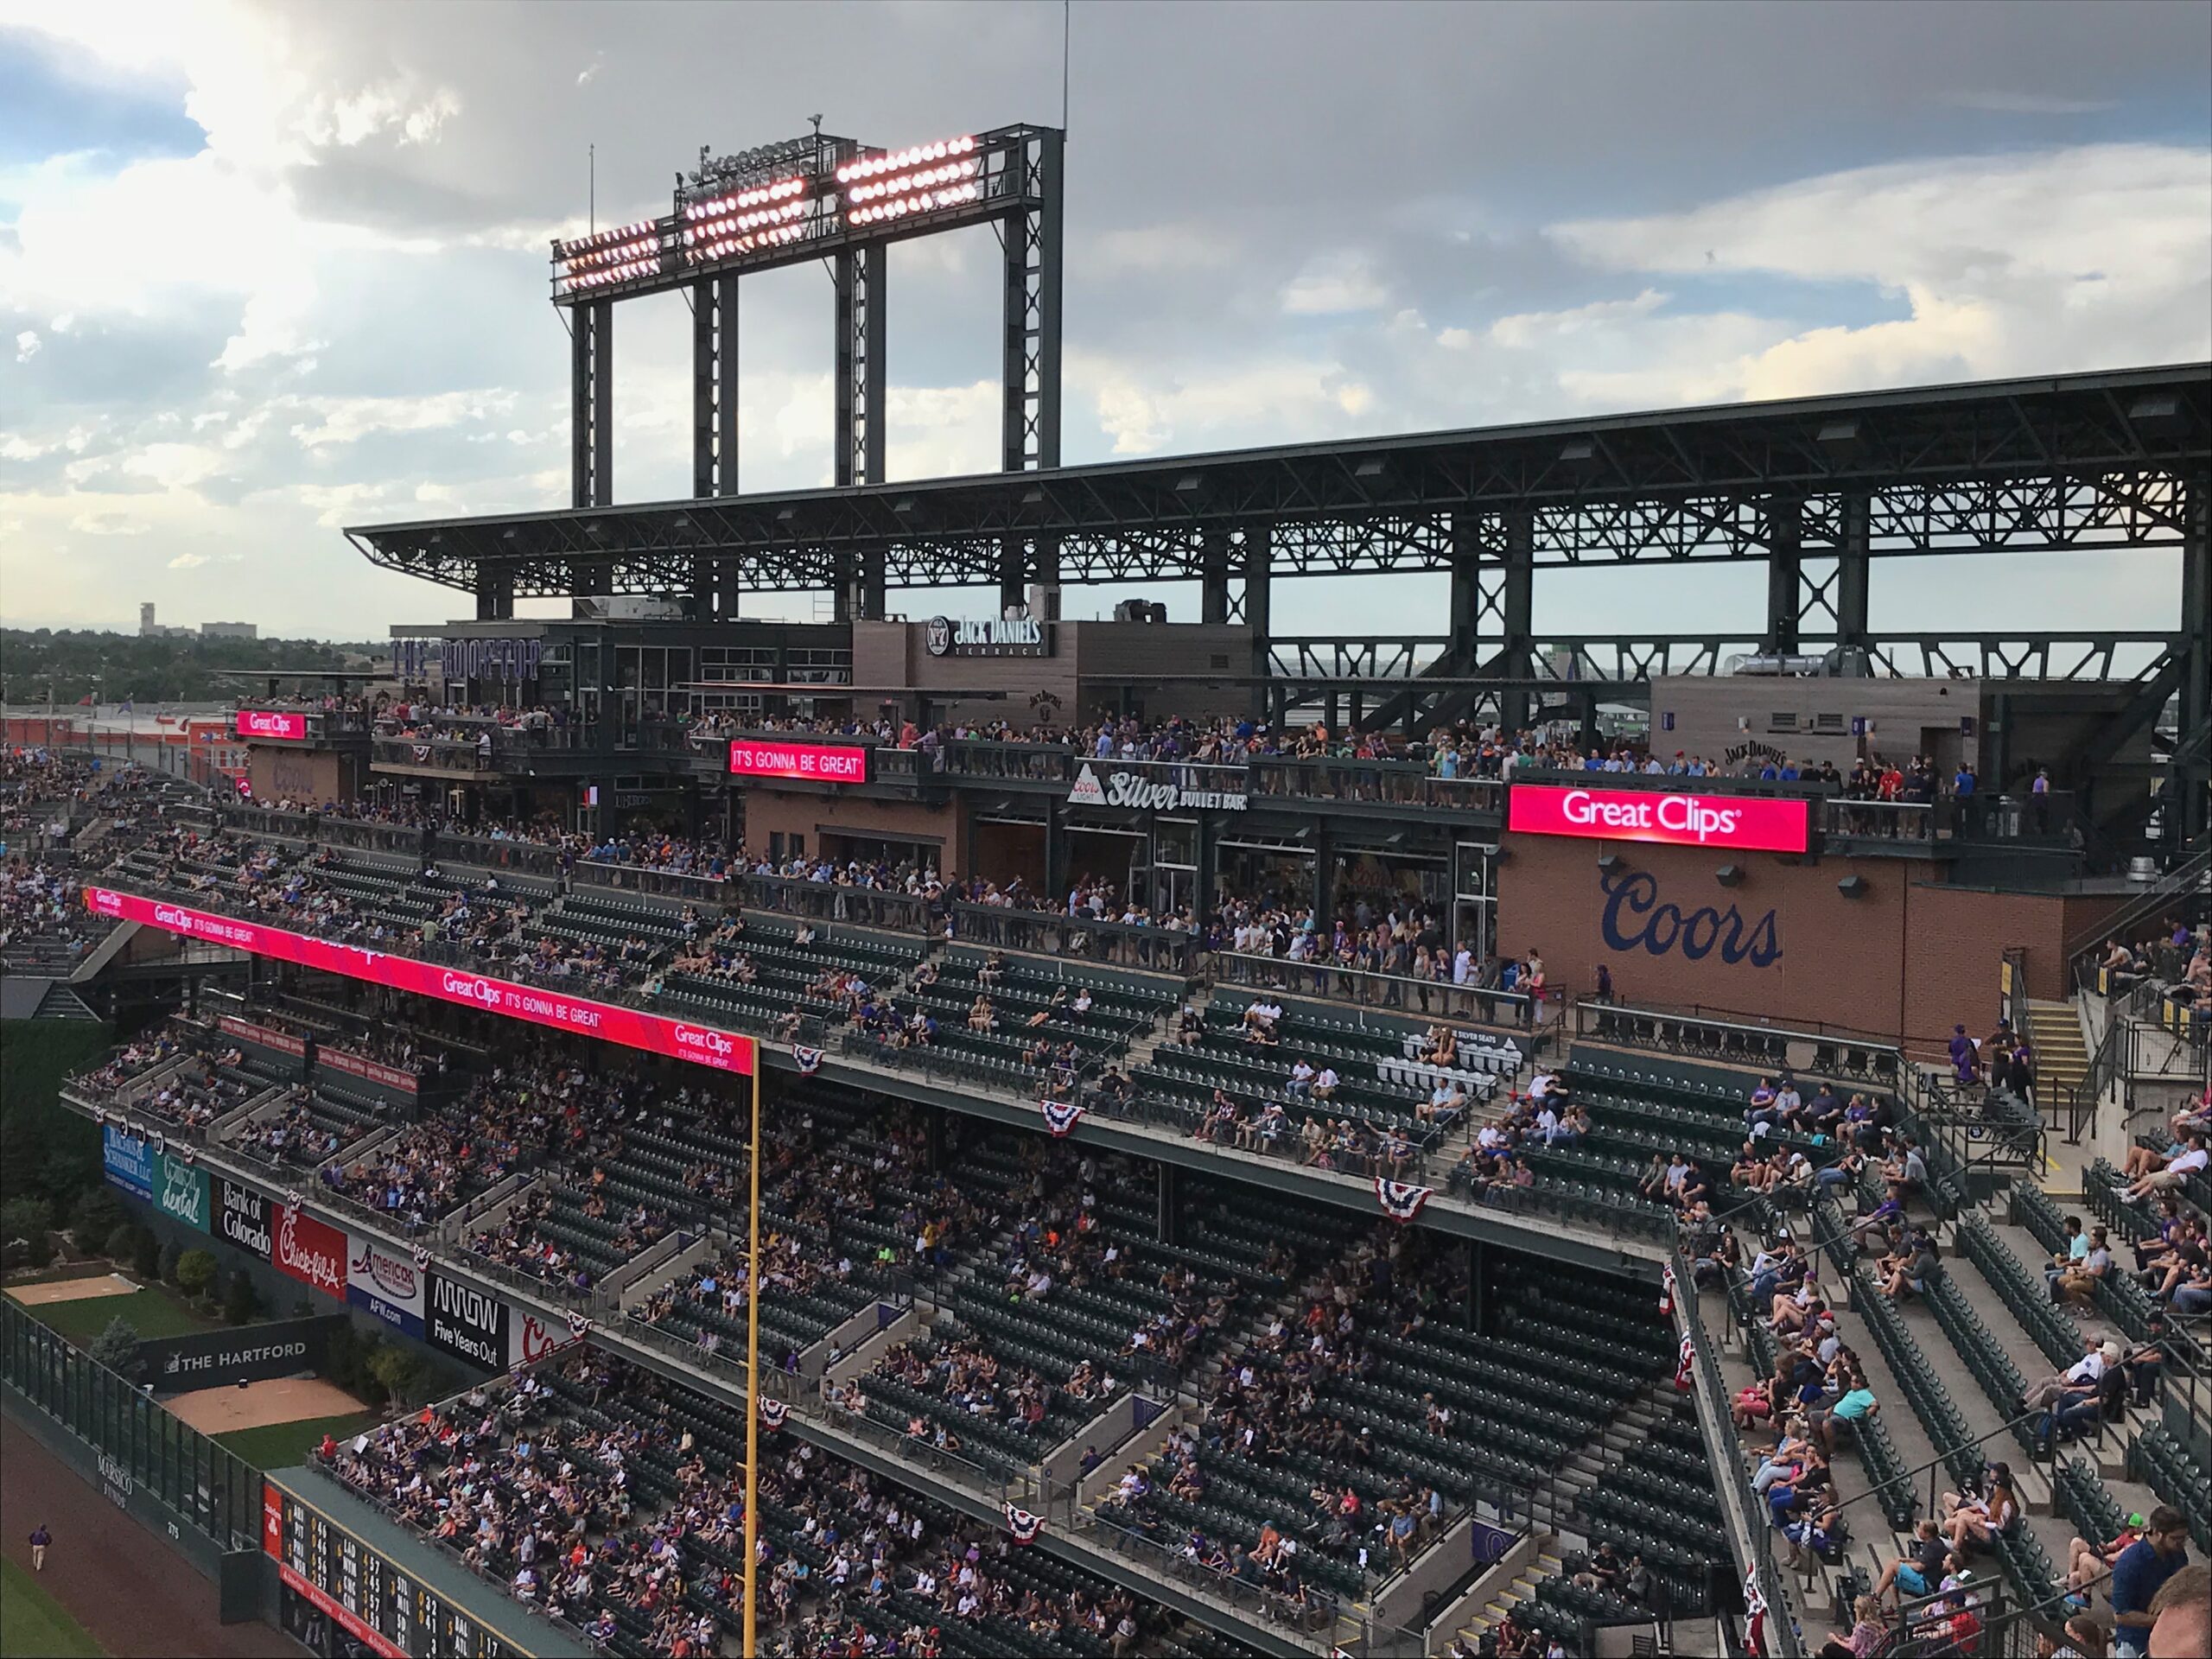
(2143, 1566)
(1962, 783)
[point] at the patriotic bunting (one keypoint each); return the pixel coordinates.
(1754, 1615)
(422, 1260)
(1061, 1115)
(1683, 1364)
(772, 1413)
(1024, 1526)
(578, 1323)
(1667, 1292)
(1400, 1201)
(809, 1060)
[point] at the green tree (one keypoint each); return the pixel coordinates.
(241, 1301)
(32, 1221)
(123, 1244)
(116, 1347)
(195, 1271)
(399, 1372)
(172, 1253)
(146, 1253)
(95, 1216)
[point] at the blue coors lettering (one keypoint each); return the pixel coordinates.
(1634, 919)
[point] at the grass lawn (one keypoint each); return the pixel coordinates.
(34, 1625)
(153, 1312)
(279, 1446)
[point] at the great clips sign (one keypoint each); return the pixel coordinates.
(807, 763)
(1741, 823)
(631, 1027)
(264, 722)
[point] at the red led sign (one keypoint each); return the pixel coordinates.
(811, 763)
(1743, 823)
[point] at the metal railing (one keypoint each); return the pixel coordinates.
(1052, 933)
(1438, 999)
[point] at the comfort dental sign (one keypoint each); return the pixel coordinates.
(1744, 823)
(812, 763)
(632, 1027)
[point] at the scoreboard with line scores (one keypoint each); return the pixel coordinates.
(373, 1603)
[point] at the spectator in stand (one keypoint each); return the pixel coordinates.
(2138, 1575)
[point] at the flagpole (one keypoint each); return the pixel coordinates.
(753, 1369)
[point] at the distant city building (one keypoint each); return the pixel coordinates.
(150, 629)
(229, 631)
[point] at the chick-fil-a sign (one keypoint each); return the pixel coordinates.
(812, 763)
(1744, 823)
(266, 723)
(632, 1027)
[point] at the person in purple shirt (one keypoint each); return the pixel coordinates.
(1965, 1059)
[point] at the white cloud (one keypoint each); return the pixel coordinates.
(187, 561)
(107, 524)
(1332, 284)
(348, 420)
(2028, 264)
(589, 72)
(1528, 328)
(26, 344)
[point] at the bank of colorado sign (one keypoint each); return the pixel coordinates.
(268, 723)
(629, 1028)
(806, 763)
(1739, 823)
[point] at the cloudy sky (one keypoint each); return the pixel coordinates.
(266, 269)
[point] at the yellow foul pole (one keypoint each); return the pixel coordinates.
(753, 1369)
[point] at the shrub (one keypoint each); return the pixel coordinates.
(146, 1253)
(241, 1302)
(116, 1347)
(94, 1217)
(30, 1220)
(172, 1253)
(123, 1244)
(195, 1271)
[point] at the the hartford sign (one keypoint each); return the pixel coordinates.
(631, 1027)
(1133, 791)
(1744, 823)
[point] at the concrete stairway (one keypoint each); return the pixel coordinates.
(1548, 1563)
(2062, 1054)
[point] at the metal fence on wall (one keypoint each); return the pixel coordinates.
(139, 1444)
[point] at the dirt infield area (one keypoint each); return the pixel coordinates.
(137, 1597)
(72, 1290)
(282, 1400)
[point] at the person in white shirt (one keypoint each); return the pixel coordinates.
(1301, 1081)
(1463, 965)
(1325, 1082)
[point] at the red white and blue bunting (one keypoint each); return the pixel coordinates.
(1754, 1615)
(1400, 1200)
(1667, 1292)
(1061, 1115)
(1685, 1362)
(578, 1323)
(422, 1260)
(809, 1060)
(1024, 1526)
(772, 1413)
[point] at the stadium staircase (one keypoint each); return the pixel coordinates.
(2062, 1052)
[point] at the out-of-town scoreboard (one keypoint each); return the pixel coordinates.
(369, 1598)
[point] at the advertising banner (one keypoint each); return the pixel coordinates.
(369, 1071)
(811, 763)
(221, 1359)
(311, 1251)
(536, 1335)
(181, 1190)
(1743, 823)
(264, 722)
(129, 1160)
(268, 1036)
(242, 1217)
(655, 1033)
(384, 1281)
(467, 1324)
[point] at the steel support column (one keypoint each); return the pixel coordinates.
(858, 434)
(1259, 552)
(1516, 657)
(1854, 562)
(714, 431)
(495, 594)
(1013, 571)
(1475, 598)
(1213, 578)
(591, 405)
(2194, 774)
(1785, 599)
(1029, 410)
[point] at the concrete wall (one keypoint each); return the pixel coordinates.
(1911, 716)
(1090, 662)
(770, 811)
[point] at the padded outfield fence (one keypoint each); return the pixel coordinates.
(145, 1458)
